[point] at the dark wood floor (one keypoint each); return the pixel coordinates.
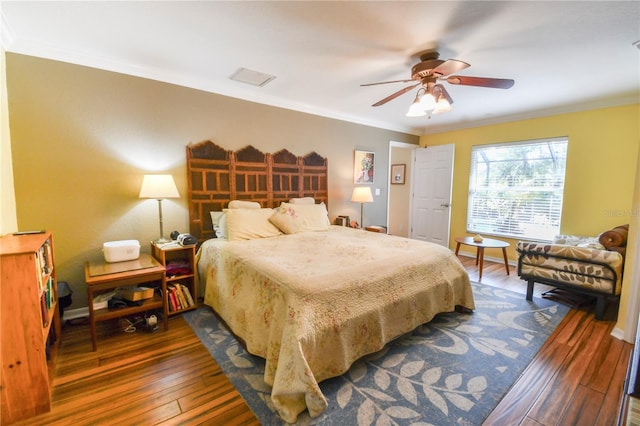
(168, 378)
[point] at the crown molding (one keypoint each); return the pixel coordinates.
(6, 34)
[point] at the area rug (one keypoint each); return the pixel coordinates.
(453, 370)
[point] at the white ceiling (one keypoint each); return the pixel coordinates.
(563, 55)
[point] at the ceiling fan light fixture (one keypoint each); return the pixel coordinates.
(427, 102)
(415, 110)
(442, 105)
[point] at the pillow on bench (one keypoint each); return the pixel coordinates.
(578, 241)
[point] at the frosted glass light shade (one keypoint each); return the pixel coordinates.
(427, 102)
(415, 110)
(158, 187)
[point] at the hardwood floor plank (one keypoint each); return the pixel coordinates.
(602, 365)
(214, 391)
(530, 385)
(613, 396)
(218, 411)
(584, 406)
(554, 400)
(140, 376)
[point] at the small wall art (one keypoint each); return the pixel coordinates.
(398, 174)
(363, 166)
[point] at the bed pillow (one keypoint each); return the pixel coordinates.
(309, 217)
(303, 200)
(240, 204)
(215, 218)
(578, 241)
(221, 227)
(285, 219)
(249, 224)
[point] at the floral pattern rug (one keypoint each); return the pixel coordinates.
(453, 370)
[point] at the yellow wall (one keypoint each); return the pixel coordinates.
(602, 172)
(601, 165)
(82, 139)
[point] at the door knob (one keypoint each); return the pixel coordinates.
(445, 205)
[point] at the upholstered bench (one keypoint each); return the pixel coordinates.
(575, 264)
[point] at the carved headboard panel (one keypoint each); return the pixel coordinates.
(216, 176)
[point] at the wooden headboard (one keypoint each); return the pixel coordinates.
(216, 176)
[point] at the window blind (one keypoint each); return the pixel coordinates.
(516, 189)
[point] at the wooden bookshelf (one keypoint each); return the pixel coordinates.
(182, 283)
(30, 324)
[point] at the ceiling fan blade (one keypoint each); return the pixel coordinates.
(387, 82)
(449, 67)
(395, 95)
(497, 83)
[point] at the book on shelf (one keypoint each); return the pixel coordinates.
(45, 310)
(179, 297)
(187, 294)
(45, 258)
(173, 303)
(48, 257)
(49, 292)
(39, 273)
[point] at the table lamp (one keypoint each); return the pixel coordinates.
(362, 194)
(159, 187)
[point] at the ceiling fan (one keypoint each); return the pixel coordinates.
(432, 95)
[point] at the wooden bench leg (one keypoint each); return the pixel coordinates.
(530, 290)
(601, 303)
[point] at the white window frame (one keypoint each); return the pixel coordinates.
(518, 198)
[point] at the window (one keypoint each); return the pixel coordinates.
(516, 189)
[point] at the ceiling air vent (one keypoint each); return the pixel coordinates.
(255, 78)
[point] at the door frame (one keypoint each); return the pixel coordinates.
(409, 179)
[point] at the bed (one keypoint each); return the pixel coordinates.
(311, 298)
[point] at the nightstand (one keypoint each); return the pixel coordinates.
(182, 283)
(102, 277)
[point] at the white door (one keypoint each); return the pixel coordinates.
(431, 199)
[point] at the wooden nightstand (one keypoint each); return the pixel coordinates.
(102, 277)
(182, 282)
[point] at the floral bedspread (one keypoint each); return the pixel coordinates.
(312, 303)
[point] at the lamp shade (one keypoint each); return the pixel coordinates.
(362, 194)
(158, 187)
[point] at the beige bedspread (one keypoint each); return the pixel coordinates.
(314, 302)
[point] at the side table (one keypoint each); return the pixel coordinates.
(485, 243)
(102, 276)
(182, 281)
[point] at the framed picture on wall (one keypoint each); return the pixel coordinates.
(363, 166)
(397, 174)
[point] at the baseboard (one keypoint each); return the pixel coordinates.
(76, 313)
(618, 333)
